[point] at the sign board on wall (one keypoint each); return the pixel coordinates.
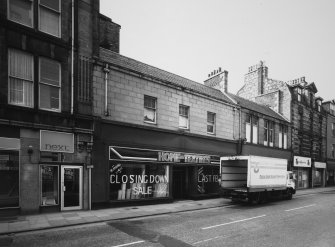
(59, 142)
(320, 165)
(299, 161)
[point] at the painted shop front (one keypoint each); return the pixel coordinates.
(150, 174)
(330, 174)
(319, 174)
(42, 171)
(302, 170)
(134, 165)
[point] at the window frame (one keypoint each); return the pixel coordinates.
(268, 133)
(32, 14)
(59, 12)
(22, 79)
(252, 121)
(333, 150)
(282, 136)
(186, 116)
(213, 123)
(41, 187)
(59, 87)
(147, 107)
(333, 129)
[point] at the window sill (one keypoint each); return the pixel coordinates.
(148, 122)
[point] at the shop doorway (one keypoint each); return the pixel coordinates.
(180, 182)
(71, 187)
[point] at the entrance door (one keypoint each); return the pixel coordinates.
(71, 187)
(180, 180)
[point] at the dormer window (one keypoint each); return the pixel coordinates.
(306, 92)
(312, 100)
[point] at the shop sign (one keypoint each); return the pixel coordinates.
(299, 161)
(59, 142)
(320, 165)
(9, 143)
(181, 157)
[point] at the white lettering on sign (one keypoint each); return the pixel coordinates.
(208, 178)
(56, 148)
(142, 190)
(188, 158)
(134, 179)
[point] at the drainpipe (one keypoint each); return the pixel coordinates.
(72, 57)
(106, 70)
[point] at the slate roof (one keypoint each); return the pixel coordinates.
(253, 106)
(169, 78)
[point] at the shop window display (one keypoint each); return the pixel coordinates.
(49, 185)
(208, 179)
(9, 177)
(138, 181)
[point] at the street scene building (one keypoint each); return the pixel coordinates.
(84, 126)
(295, 101)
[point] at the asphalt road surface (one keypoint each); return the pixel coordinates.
(303, 221)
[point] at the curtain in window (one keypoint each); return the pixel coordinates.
(254, 134)
(248, 132)
(20, 78)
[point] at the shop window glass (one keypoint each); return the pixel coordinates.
(49, 185)
(50, 74)
(138, 181)
(49, 19)
(208, 179)
(21, 11)
(20, 78)
(9, 177)
(150, 109)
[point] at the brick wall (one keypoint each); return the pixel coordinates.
(126, 98)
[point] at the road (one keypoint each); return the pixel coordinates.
(307, 220)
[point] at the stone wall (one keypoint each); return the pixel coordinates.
(126, 104)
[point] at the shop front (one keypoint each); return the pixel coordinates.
(319, 174)
(62, 172)
(9, 172)
(302, 169)
(145, 174)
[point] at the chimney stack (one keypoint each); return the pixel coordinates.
(218, 79)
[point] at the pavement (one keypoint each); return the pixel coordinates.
(26, 223)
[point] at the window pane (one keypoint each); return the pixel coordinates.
(49, 72)
(285, 140)
(20, 78)
(21, 11)
(53, 4)
(20, 64)
(280, 137)
(9, 177)
(254, 134)
(49, 97)
(210, 117)
(49, 21)
(49, 185)
(210, 128)
(248, 132)
(150, 102)
(183, 122)
(149, 115)
(183, 110)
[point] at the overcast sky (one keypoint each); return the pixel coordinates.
(191, 38)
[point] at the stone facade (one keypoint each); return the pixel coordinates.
(126, 97)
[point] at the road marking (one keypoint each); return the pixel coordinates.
(209, 239)
(300, 207)
(224, 224)
(137, 242)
